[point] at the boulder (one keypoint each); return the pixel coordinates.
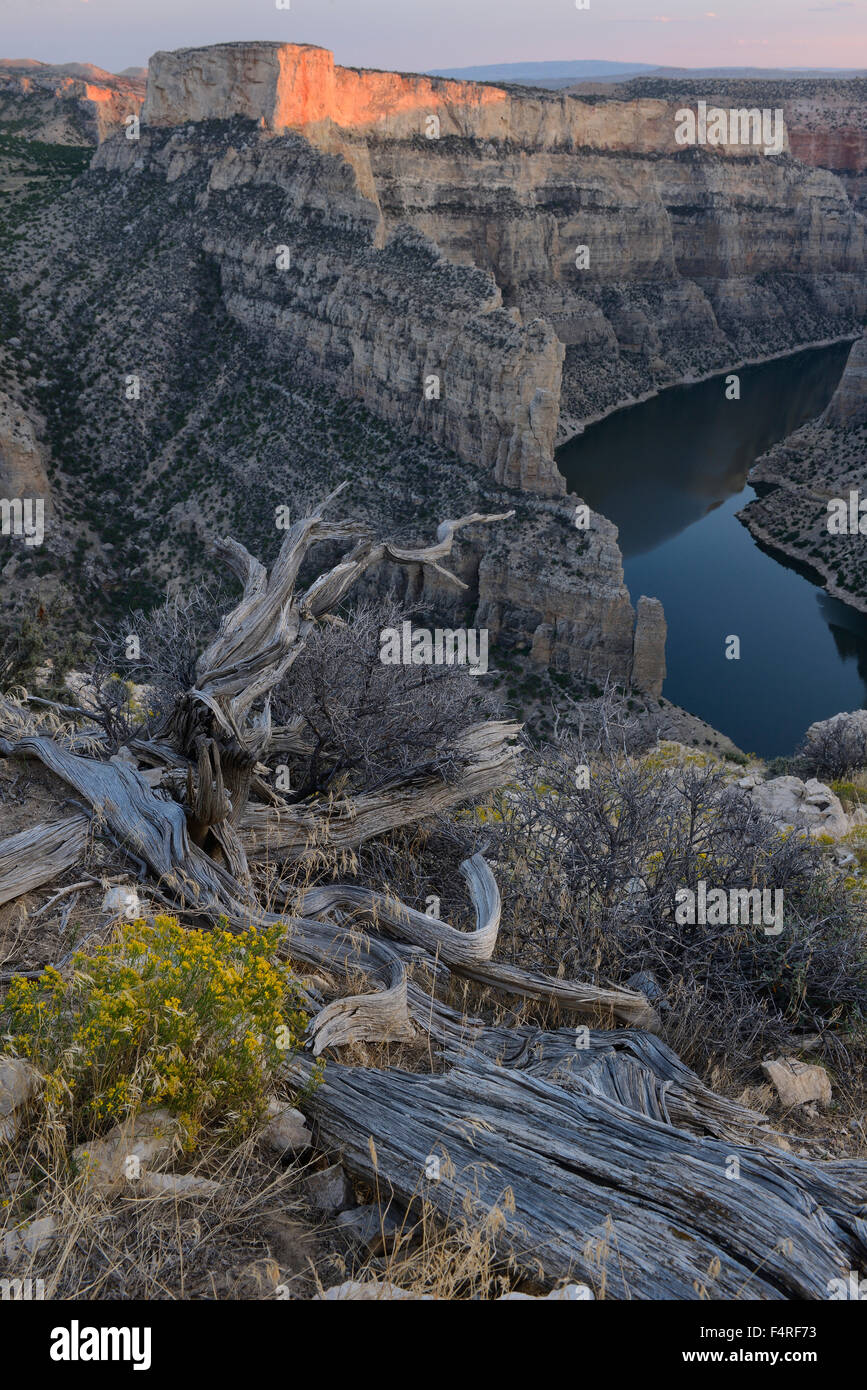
(809, 804)
(142, 1142)
(798, 1083)
(329, 1190)
(286, 1131)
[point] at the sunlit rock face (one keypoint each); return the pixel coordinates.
(293, 86)
(71, 104)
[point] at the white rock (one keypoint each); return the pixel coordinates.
(127, 1150)
(377, 1288)
(38, 1234)
(798, 1082)
(18, 1082)
(369, 1290)
(122, 902)
(569, 1291)
(810, 804)
(177, 1185)
(286, 1130)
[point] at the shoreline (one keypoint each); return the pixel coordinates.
(631, 401)
(821, 581)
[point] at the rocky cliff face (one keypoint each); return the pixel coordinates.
(696, 259)
(693, 262)
(823, 462)
(847, 409)
(425, 343)
(826, 119)
(74, 104)
(192, 387)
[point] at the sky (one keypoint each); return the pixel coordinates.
(417, 35)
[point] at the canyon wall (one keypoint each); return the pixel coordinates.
(695, 260)
(75, 104)
(824, 461)
(826, 118)
(424, 342)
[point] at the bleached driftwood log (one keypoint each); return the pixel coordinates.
(39, 854)
(588, 1188)
(291, 832)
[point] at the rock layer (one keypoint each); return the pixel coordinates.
(698, 259)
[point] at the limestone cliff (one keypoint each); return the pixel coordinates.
(698, 259)
(826, 118)
(424, 342)
(75, 104)
(823, 462)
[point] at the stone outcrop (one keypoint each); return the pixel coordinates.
(819, 470)
(810, 805)
(648, 664)
(74, 104)
(22, 466)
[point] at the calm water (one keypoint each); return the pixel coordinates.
(671, 473)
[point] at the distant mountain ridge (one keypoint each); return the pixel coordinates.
(560, 73)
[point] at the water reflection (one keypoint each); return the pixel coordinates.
(671, 473)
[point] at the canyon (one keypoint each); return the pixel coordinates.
(429, 282)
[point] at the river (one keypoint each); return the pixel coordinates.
(671, 473)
